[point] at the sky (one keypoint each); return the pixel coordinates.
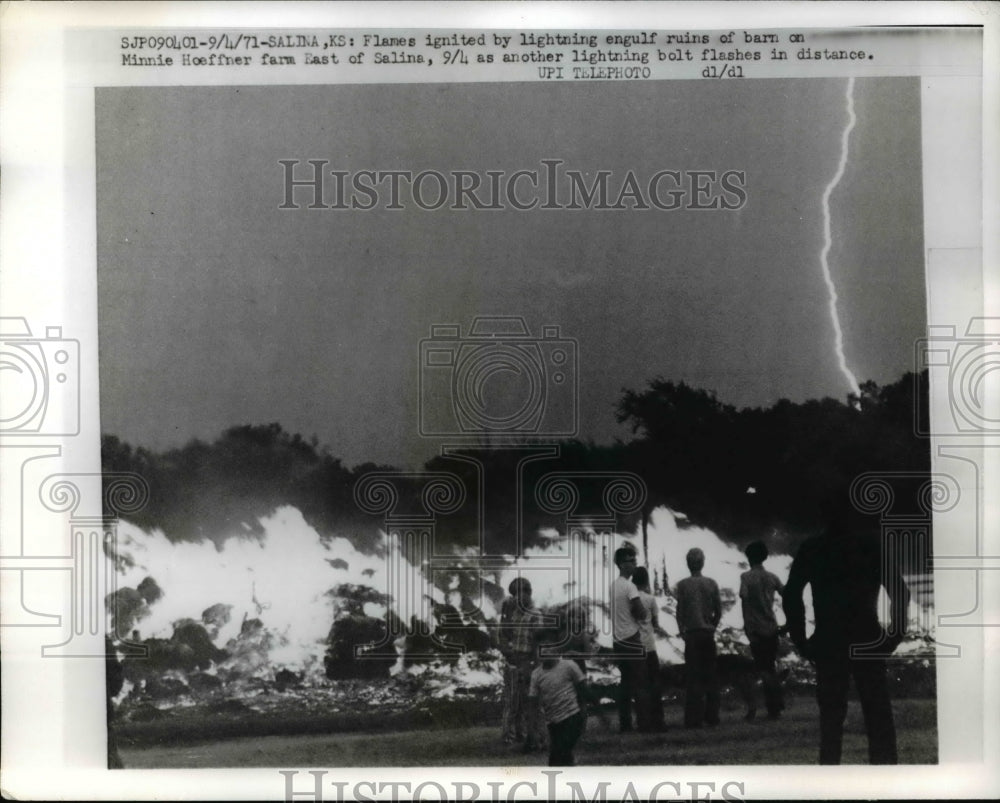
(217, 308)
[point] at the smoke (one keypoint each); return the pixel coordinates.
(838, 343)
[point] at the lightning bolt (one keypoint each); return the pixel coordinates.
(838, 343)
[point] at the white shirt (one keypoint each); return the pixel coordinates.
(623, 591)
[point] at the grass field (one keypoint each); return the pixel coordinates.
(790, 740)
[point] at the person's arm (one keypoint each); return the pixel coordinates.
(778, 587)
(744, 607)
(656, 625)
(581, 686)
(680, 612)
(791, 599)
(504, 634)
(716, 604)
(533, 624)
(635, 606)
(534, 713)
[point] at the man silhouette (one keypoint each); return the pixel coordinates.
(699, 610)
(757, 588)
(846, 567)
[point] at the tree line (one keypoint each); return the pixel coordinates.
(767, 472)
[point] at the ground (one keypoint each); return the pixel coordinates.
(790, 740)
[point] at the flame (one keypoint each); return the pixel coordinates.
(284, 579)
(669, 542)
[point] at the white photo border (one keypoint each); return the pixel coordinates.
(48, 248)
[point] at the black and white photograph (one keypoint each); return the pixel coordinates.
(686, 308)
(595, 418)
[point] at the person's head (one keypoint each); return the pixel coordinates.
(641, 578)
(625, 560)
(577, 618)
(756, 553)
(550, 639)
(520, 588)
(695, 560)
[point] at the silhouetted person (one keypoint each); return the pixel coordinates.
(114, 679)
(757, 588)
(845, 568)
(648, 628)
(699, 609)
(626, 613)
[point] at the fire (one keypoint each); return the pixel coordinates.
(285, 580)
(284, 585)
(281, 579)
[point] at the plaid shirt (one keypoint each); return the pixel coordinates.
(519, 627)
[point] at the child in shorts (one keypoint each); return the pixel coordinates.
(559, 688)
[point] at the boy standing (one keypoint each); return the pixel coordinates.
(559, 688)
(757, 588)
(626, 613)
(699, 609)
(518, 643)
